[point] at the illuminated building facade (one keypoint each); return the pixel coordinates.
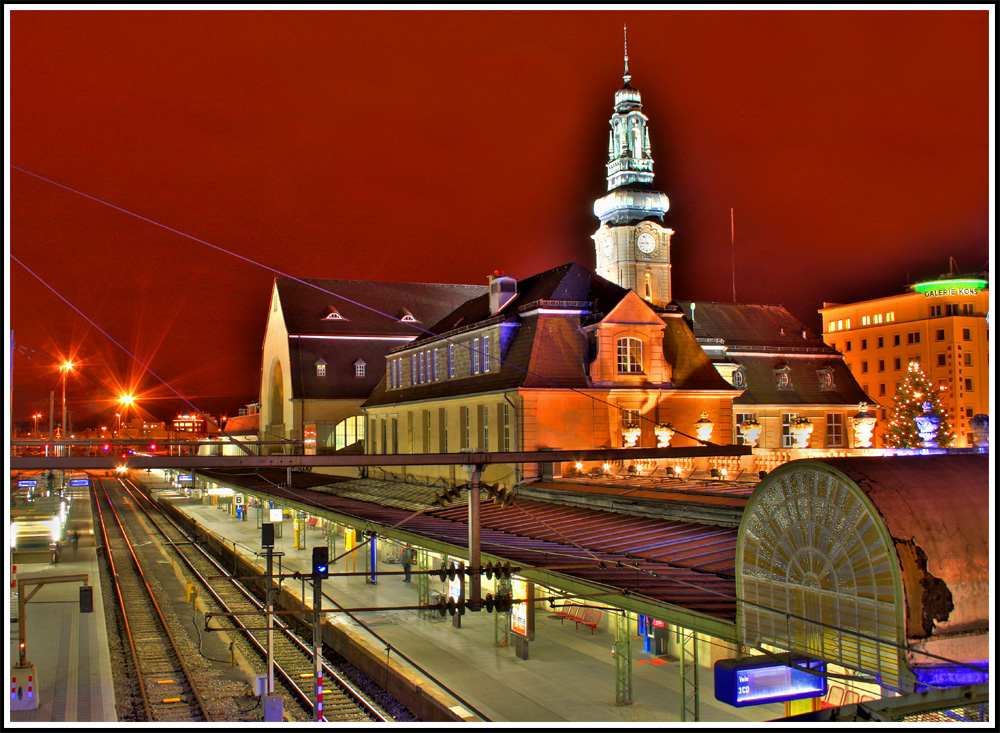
(941, 324)
(563, 359)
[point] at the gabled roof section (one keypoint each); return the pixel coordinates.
(366, 307)
(692, 369)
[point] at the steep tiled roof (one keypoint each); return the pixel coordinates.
(740, 324)
(306, 303)
(762, 385)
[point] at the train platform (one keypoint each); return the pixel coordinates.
(68, 649)
(569, 676)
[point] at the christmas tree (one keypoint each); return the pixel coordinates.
(915, 390)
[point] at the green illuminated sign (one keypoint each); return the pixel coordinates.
(940, 288)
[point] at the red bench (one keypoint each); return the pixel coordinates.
(579, 615)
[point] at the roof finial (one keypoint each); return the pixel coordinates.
(628, 76)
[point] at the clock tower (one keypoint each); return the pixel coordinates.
(633, 247)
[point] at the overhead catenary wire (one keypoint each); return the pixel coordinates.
(301, 281)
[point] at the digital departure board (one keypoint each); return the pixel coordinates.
(759, 680)
(79, 482)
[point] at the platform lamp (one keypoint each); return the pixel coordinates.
(64, 368)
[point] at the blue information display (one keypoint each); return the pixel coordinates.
(743, 682)
(27, 483)
(185, 477)
(79, 482)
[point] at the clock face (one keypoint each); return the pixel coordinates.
(607, 245)
(646, 242)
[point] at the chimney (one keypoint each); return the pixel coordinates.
(503, 289)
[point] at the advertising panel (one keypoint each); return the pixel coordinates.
(519, 612)
(743, 682)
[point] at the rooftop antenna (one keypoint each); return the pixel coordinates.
(732, 241)
(627, 76)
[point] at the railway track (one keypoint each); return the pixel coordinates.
(163, 686)
(293, 655)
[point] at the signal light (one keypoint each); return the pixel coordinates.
(321, 560)
(107, 446)
(153, 446)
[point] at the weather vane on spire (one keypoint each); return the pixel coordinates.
(627, 76)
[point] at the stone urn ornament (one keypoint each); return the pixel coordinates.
(750, 430)
(863, 425)
(664, 432)
(927, 426)
(703, 428)
(801, 429)
(630, 434)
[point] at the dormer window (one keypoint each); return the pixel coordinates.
(407, 317)
(826, 381)
(739, 378)
(629, 356)
(334, 315)
(359, 368)
(321, 368)
(783, 378)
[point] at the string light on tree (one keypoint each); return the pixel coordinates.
(913, 393)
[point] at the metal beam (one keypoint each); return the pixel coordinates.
(36, 463)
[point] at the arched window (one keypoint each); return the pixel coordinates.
(629, 355)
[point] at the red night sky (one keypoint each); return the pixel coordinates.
(438, 146)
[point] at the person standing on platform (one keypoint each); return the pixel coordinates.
(76, 540)
(408, 558)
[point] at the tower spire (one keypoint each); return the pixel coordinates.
(627, 77)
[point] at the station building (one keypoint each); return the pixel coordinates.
(324, 351)
(940, 324)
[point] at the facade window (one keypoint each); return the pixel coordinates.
(834, 430)
(968, 385)
(413, 369)
(966, 334)
(395, 435)
(897, 364)
(847, 346)
(913, 337)
(786, 429)
(434, 365)
(864, 367)
(739, 378)
(486, 353)
(421, 366)
(942, 360)
(864, 344)
(451, 360)
(967, 309)
(878, 318)
(866, 320)
(783, 378)
(881, 342)
(890, 317)
(895, 340)
(484, 428)
(881, 390)
(826, 381)
(427, 431)
(629, 356)
(939, 334)
(951, 309)
(359, 368)
(463, 426)
(505, 411)
(937, 311)
(742, 417)
(881, 365)
(966, 359)
(320, 368)
(475, 356)
(443, 430)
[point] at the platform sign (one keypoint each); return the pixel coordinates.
(519, 611)
(744, 682)
(79, 482)
(275, 515)
(27, 483)
(185, 478)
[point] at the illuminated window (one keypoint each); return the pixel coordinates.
(320, 368)
(359, 368)
(434, 365)
(463, 426)
(878, 318)
(866, 320)
(649, 288)
(334, 315)
(847, 323)
(834, 430)
(742, 417)
(451, 360)
(783, 378)
(786, 429)
(840, 324)
(505, 407)
(486, 353)
(413, 369)
(475, 356)
(484, 427)
(890, 316)
(629, 356)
